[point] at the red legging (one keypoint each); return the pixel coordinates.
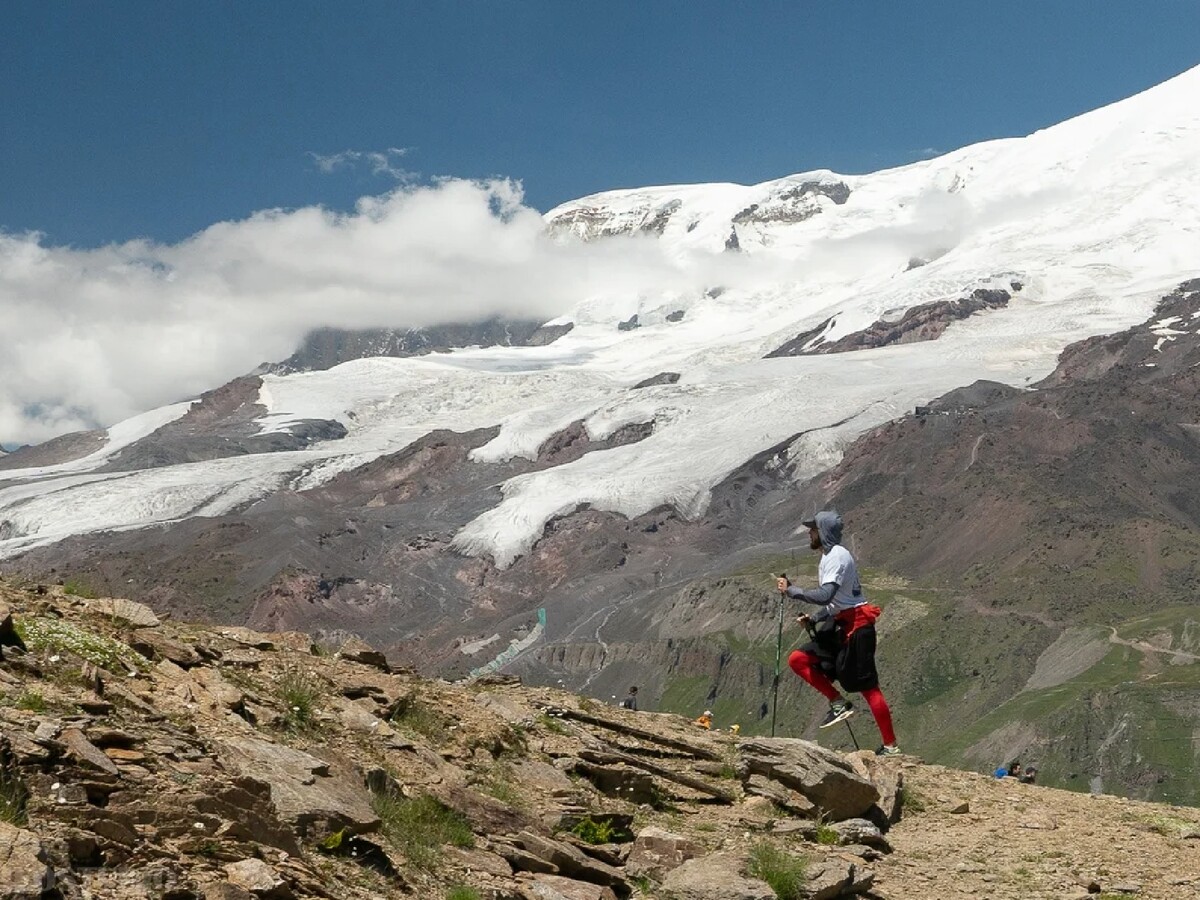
(808, 667)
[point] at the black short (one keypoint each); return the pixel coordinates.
(851, 663)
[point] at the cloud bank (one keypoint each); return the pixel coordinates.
(94, 336)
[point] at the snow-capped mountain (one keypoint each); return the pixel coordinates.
(1073, 231)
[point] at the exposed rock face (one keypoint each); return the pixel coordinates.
(660, 378)
(222, 423)
(24, 873)
(795, 204)
(274, 783)
(573, 442)
(926, 322)
(591, 222)
(64, 448)
(328, 347)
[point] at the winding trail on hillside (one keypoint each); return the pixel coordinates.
(1114, 638)
(975, 451)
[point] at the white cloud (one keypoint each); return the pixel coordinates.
(94, 336)
(381, 162)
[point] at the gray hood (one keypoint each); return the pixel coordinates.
(829, 527)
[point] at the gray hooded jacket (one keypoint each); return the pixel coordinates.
(839, 587)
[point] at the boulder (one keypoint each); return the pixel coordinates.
(360, 651)
(23, 869)
(888, 779)
(86, 752)
(305, 790)
(837, 878)
(137, 614)
(861, 831)
(569, 860)
(8, 631)
(826, 778)
(554, 887)
(257, 878)
(715, 877)
(781, 796)
(656, 852)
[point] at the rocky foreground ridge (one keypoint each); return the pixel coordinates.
(142, 758)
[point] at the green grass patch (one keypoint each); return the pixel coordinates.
(77, 587)
(827, 835)
(501, 784)
(31, 700)
(13, 798)
(57, 635)
(462, 892)
(420, 826)
(912, 801)
(785, 872)
(418, 717)
(552, 725)
(300, 693)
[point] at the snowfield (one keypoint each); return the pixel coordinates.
(1095, 218)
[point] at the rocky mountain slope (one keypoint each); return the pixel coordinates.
(143, 758)
(990, 512)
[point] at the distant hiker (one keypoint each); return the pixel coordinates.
(735, 729)
(705, 720)
(630, 701)
(1001, 772)
(843, 644)
(1014, 769)
(1030, 775)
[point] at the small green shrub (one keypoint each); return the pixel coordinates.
(420, 718)
(827, 835)
(501, 785)
(299, 692)
(13, 797)
(462, 892)
(419, 826)
(75, 587)
(590, 831)
(553, 725)
(911, 801)
(784, 872)
(642, 882)
(32, 700)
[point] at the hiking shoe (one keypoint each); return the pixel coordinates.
(838, 710)
(888, 750)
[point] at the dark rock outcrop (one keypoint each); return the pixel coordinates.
(926, 322)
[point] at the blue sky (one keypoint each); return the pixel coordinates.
(157, 119)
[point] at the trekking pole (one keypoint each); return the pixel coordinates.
(778, 659)
(852, 737)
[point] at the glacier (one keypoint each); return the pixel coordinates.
(1094, 218)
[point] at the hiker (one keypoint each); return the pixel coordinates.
(1001, 771)
(1014, 769)
(1030, 775)
(630, 701)
(843, 644)
(705, 720)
